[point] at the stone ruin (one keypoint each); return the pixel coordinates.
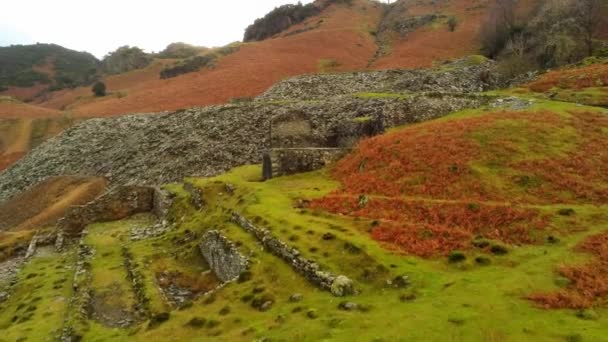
(299, 144)
(222, 256)
(338, 285)
(117, 204)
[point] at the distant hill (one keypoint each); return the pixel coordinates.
(48, 64)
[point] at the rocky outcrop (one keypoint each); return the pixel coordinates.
(338, 285)
(223, 256)
(468, 75)
(152, 149)
(115, 205)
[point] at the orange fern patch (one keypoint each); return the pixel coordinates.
(428, 228)
(433, 187)
(588, 283)
(595, 75)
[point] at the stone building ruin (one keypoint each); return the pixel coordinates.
(299, 143)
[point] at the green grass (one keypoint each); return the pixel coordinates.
(39, 302)
(482, 298)
(381, 96)
(467, 302)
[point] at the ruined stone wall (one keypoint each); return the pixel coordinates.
(295, 160)
(222, 256)
(115, 205)
(337, 285)
(163, 200)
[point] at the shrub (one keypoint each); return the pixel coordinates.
(499, 250)
(483, 261)
(189, 65)
(278, 20)
(99, 89)
(124, 59)
(158, 319)
(328, 65)
(481, 243)
(456, 257)
(566, 212)
(196, 322)
(452, 23)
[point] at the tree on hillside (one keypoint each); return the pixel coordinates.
(125, 58)
(588, 15)
(99, 89)
(499, 27)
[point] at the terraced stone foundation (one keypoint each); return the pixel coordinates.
(338, 285)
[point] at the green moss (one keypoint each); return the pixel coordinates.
(38, 304)
(477, 300)
(381, 96)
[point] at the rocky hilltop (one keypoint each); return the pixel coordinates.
(165, 147)
(467, 75)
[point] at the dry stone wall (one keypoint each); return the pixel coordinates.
(223, 256)
(338, 285)
(115, 205)
(295, 160)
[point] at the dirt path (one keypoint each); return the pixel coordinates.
(22, 141)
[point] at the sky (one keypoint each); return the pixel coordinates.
(102, 26)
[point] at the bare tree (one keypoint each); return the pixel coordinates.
(588, 15)
(499, 27)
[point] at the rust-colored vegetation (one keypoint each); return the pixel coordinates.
(426, 228)
(436, 41)
(434, 187)
(595, 75)
(588, 283)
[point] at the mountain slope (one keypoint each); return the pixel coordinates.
(45, 66)
(341, 41)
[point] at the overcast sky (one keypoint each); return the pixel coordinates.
(101, 26)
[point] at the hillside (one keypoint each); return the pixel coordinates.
(325, 37)
(485, 224)
(341, 37)
(353, 171)
(41, 67)
(164, 147)
(24, 126)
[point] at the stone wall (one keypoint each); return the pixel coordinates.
(115, 205)
(163, 200)
(338, 285)
(286, 161)
(223, 257)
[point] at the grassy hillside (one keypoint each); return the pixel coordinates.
(496, 217)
